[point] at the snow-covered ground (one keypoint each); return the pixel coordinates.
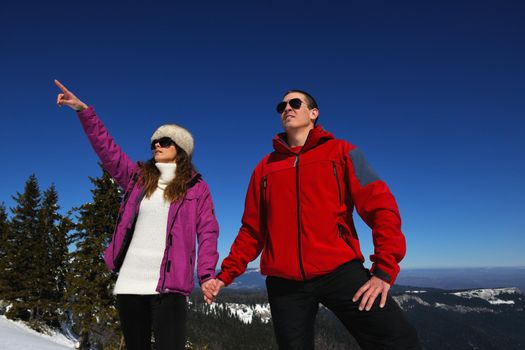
(16, 336)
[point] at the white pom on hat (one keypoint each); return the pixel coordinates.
(181, 136)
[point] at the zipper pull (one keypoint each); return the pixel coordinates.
(264, 182)
(296, 161)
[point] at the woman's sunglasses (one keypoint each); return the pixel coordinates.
(163, 142)
(295, 103)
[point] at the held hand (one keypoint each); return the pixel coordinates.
(218, 286)
(369, 292)
(208, 288)
(67, 98)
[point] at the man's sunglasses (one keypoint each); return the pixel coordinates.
(295, 103)
(163, 142)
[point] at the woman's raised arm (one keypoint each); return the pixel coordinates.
(114, 160)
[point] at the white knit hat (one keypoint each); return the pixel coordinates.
(181, 136)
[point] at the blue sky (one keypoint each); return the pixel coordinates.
(432, 91)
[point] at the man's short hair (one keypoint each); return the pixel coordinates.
(310, 101)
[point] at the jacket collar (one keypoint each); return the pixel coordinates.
(315, 137)
(195, 176)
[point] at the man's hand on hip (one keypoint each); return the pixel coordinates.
(369, 292)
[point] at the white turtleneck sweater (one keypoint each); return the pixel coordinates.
(140, 270)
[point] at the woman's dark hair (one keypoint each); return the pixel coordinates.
(150, 174)
(310, 101)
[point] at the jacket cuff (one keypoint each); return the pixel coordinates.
(389, 277)
(225, 278)
(86, 112)
(206, 277)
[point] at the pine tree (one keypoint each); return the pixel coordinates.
(89, 283)
(53, 229)
(3, 227)
(23, 254)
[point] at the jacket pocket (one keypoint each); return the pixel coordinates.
(190, 274)
(337, 182)
(344, 235)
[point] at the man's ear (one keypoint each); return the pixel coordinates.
(314, 113)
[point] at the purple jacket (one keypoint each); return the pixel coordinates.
(189, 218)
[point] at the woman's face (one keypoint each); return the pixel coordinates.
(164, 154)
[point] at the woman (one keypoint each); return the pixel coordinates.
(166, 207)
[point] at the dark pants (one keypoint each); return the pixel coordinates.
(165, 313)
(294, 306)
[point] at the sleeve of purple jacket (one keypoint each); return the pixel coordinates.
(113, 159)
(207, 235)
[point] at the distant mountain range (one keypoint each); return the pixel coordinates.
(464, 278)
(444, 278)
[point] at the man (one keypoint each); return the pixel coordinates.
(298, 213)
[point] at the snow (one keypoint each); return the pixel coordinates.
(406, 301)
(489, 295)
(16, 336)
(465, 309)
(244, 312)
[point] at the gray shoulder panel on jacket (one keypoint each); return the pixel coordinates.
(363, 171)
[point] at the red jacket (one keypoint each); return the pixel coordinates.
(298, 212)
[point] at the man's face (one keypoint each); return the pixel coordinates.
(301, 117)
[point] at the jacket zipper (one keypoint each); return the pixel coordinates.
(264, 212)
(296, 165)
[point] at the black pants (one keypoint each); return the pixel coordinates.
(294, 305)
(165, 313)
